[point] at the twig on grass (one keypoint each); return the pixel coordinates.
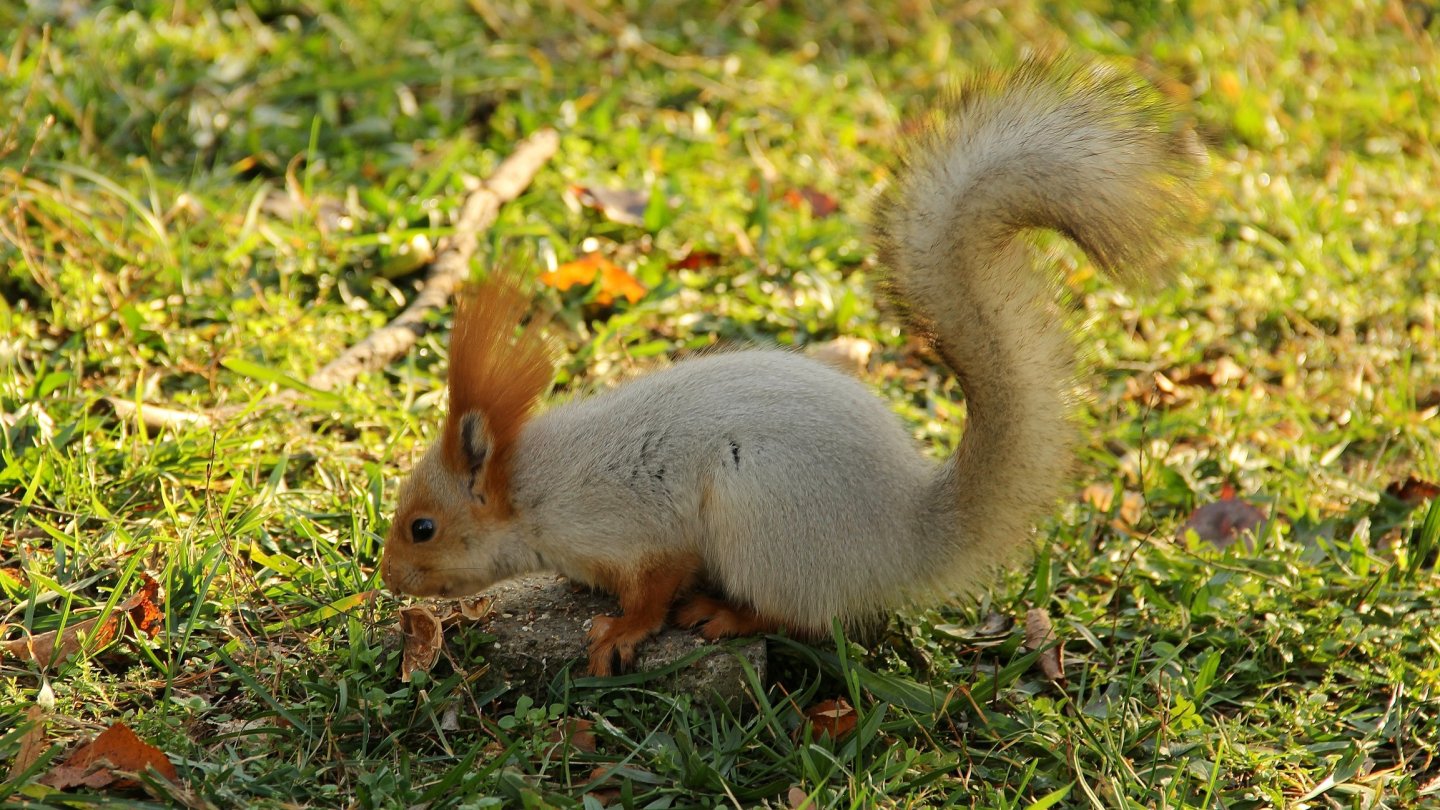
(154, 416)
(446, 273)
(450, 267)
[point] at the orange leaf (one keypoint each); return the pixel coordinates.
(144, 607)
(614, 281)
(567, 275)
(100, 762)
(423, 639)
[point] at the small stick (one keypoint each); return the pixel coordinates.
(449, 269)
(154, 416)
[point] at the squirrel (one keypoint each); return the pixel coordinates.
(761, 491)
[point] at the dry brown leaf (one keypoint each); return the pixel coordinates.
(1102, 498)
(32, 745)
(475, 608)
(623, 205)
(1098, 496)
(1221, 373)
(1225, 372)
(423, 640)
(606, 792)
(90, 635)
(57, 645)
(101, 762)
(1219, 523)
(1040, 635)
(1412, 491)
(1132, 507)
(696, 260)
(576, 732)
(834, 718)
(821, 204)
(450, 718)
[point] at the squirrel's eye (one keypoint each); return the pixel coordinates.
(422, 529)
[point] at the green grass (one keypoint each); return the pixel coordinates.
(188, 187)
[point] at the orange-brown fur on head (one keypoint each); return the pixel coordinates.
(498, 371)
(458, 496)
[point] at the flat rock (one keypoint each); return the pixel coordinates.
(540, 624)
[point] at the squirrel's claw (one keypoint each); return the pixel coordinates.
(612, 644)
(717, 619)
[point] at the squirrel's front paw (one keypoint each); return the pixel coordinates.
(612, 644)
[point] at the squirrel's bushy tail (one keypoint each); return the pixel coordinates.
(1084, 150)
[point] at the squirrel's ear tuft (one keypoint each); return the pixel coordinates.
(500, 364)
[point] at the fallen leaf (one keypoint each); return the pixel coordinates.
(1102, 498)
(1412, 491)
(623, 205)
(606, 792)
(992, 631)
(423, 639)
(821, 204)
(798, 798)
(1040, 635)
(1428, 400)
(1219, 523)
(834, 718)
(1226, 371)
(91, 635)
(1223, 372)
(576, 732)
(1160, 392)
(102, 762)
(32, 745)
(696, 260)
(450, 718)
(144, 607)
(1098, 496)
(614, 281)
(475, 608)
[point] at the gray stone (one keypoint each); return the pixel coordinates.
(540, 624)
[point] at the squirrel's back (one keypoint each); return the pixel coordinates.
(781, 473)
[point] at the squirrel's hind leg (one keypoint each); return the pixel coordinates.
(716, 618)
(645, 600)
